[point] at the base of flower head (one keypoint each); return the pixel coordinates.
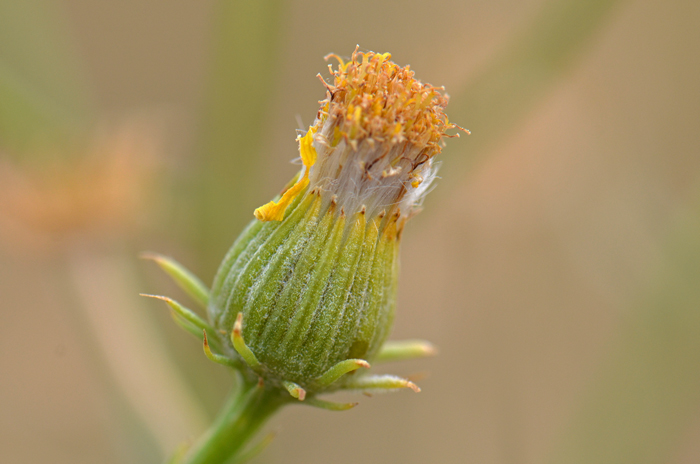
(367, 383)
(340, 375)
(315, 289)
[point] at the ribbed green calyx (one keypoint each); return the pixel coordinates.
(316, 288)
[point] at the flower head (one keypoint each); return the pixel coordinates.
(311, 284)
(372, 145)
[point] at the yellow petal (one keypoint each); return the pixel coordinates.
(275, 211)
(306, 149)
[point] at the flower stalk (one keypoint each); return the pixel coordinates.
(239, 420)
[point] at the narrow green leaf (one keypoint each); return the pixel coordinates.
(329, 405)
(184, 312)
(240, 345)
(404, 349)
(381, 382)
(182, 277)
(339, 370)
(217, 358)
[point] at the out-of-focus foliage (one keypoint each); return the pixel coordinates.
(234, 126)
(535, 59)
(560, 280)
(42, 88)
(649, 390)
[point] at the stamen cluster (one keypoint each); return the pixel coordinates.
(376, 135)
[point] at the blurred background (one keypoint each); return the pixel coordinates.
(556, 264)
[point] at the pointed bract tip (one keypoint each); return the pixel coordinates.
(238, 325)
(157, 297)
(294, 390)
(413, 386)
(150, 255)
(430, 350)
(363, 363)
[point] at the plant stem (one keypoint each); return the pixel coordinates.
(244, 413)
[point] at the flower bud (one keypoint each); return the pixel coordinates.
(315, 274)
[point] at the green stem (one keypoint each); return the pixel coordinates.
(243, 415)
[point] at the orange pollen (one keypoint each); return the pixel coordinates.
(373, 98)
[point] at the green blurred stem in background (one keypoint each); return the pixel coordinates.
(42, 86)
(233, 133)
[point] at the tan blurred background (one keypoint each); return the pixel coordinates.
(556, 265)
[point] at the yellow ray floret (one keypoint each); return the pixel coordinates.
(274, 211)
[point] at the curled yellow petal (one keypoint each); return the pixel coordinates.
(307, 150)
(274, 211)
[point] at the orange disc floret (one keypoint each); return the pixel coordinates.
(374, 98)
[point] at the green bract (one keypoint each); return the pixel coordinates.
(314, 289)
